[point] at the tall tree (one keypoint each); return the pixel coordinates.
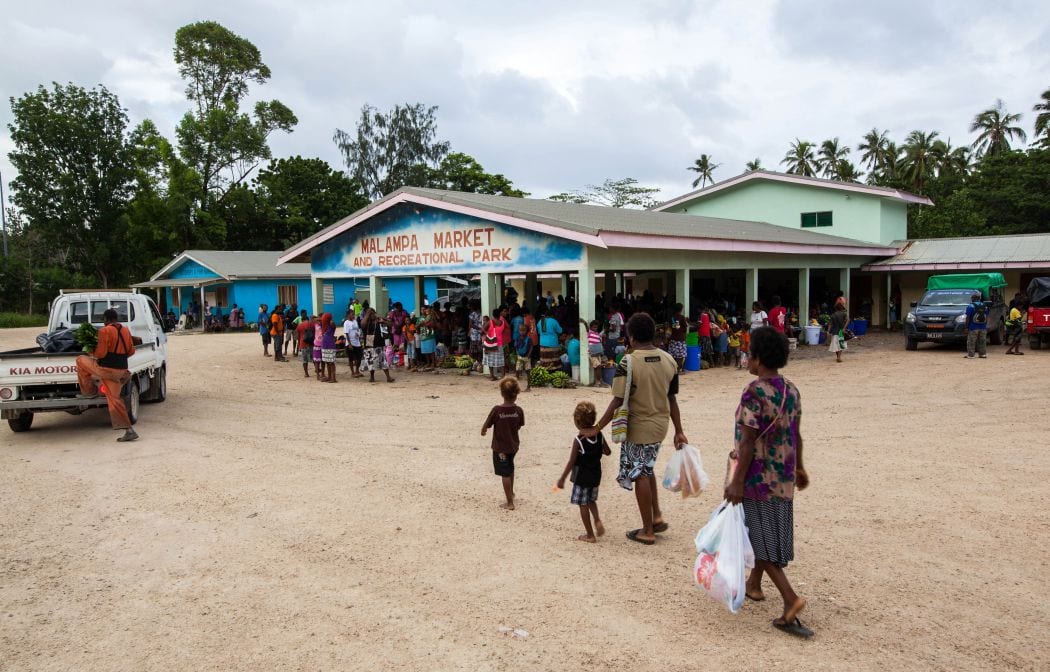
(874, 150)
(622, 193)
(920, 159)
(755, 164)
(217, 139)
(462, 172)
(1042, 120)
(703, 167)
(302, 196)
(846, 171)
(74, 173)
(996, 130)
(831, 153)
(800, 159)
(388, 148)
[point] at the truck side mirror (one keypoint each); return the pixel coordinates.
(914, 304)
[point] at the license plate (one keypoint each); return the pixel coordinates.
(935, 326)
(934, 335)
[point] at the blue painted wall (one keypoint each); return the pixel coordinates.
(345, 289)
(190, 269)
(248, 294)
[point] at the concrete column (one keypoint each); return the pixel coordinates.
(488, 297)
(565, 284)
(750, 289)
(374, 285)
(803, 298)
(315, 294)
(681, 288)
(844, 286)
(619, 284)
(203, 316)
(587, 294)
(886, 303)
(417, 295)
(531, 290)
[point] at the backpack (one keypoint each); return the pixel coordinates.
(980, 313)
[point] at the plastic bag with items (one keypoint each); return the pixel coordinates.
(685, 472)
(724, 556)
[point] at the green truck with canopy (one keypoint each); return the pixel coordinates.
(940, 316)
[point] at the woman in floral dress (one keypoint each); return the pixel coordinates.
(764, 469)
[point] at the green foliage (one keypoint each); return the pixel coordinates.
(464, 362)
(623, 193)
(996, 130)
(17, 320)
(74, 174)
(460, 172)
(87, 336)
(392, 149)
(800, 159)
(302, 196)
(1042, 120)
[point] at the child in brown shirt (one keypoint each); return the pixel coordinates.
(505, 420)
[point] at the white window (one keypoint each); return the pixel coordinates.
(288, 294)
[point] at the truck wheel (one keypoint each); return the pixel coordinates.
(996, 337)
(1035, 342)
(158, 389)
(22, 423)
(131, 399)
(911, 344)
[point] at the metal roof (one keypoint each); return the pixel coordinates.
(773, 176)
(980, 252)
(589, 222)
(233, 265)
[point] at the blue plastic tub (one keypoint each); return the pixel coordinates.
(692, 358)
(859, 327)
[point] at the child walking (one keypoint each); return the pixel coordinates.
(505, 420)
(523, 348)
(585, 467)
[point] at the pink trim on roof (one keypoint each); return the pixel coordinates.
(651, 242)
(441, 205)
(794, 179)
(960, 266)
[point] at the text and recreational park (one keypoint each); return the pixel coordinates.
(490, 430)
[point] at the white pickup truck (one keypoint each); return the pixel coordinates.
(33, 381)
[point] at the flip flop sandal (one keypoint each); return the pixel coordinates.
(660, 527)
(755, 599)
(794, 628)
(633, 536)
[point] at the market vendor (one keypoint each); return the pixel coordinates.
(108, 363)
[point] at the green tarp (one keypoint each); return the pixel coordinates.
(981, 281)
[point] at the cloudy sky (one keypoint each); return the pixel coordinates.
(559, 95)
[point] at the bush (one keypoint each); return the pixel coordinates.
(15, 320)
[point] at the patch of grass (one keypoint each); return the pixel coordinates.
(14, 320)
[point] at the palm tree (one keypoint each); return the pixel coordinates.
(1042, 120)
(874, 150)
(800, 159)
(845, 171)
(950, 161)
(831, 152)
(754, 165)
(893, 167)
(996, 131)
(704, 167)
(920, 159)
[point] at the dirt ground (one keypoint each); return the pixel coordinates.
(266, 521)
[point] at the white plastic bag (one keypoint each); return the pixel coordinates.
(692, 479)
(685, 472)
(724, 556)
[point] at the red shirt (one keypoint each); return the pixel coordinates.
(778, 318)
(705, 325)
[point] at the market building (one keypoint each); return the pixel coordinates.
(413, 234)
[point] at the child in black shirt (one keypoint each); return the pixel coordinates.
(505, 420)
(585, 465)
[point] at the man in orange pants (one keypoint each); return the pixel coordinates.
(109, 364)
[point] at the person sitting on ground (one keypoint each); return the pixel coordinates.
(585, 468)
(765, 467)
(505, 420)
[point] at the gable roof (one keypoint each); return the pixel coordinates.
(604, 227)
(973, 253)
(788, 178)
(237, 265)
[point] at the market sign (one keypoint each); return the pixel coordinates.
(418, 240)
